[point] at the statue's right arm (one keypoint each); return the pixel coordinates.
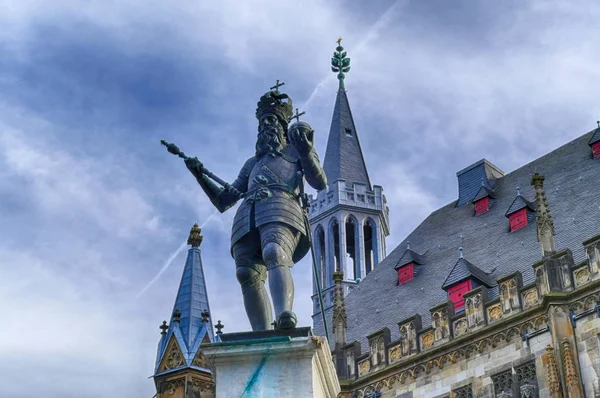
(223, 198)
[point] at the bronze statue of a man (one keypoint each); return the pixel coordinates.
(269, 232)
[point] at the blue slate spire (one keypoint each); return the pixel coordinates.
(344, 158)
(188, 325)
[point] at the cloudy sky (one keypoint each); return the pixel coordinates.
(92, 207)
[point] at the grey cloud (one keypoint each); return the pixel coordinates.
(91, 89)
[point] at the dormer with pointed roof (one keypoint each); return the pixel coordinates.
(349, 219)
(464, 277)
(406, 265)
(179, 351)
(483, 198)
(520, 213)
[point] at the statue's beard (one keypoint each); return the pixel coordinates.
(270, 140)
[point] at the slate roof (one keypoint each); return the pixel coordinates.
(191, 301)
(343, 157)
(573, 194)
(192, 297)
(519, 203)
(464, 270)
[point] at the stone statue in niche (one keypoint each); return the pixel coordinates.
(469, 312)
(412, 337)
(437, 326)
(404, 342)
(540, 281)
(565, 273)
(593, 254)
(445, 324)
(373, 352)
(380, 351)
(513, 294)
(505, 298)
(350, 362)
(554, 275)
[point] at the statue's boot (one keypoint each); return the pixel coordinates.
(286, 320)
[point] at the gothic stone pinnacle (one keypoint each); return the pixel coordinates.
(537, 181)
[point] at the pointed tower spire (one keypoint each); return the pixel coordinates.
(545, 224)
(190, 324)
(349, 219)
(343, 157)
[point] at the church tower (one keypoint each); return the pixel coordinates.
(348, 219)
(181, 369)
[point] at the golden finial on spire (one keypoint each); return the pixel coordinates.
(339, 41)
(195, 236)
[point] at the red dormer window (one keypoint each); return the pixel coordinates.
(456, 292)
(518, 220)
(596, 149)
(406, 273)
(482, 205)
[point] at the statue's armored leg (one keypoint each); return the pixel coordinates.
(278, 244)
(251, 274)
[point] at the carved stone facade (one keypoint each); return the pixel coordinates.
(494, 348)
(173, 358)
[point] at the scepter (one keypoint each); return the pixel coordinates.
(174, 149)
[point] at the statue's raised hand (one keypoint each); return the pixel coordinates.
(301, 137)
(194, 166)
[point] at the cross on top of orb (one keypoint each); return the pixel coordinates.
(164, 327)
(339, 41)
(297, 116)
(275, 88)
(219, 326)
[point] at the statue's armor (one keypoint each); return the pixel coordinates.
(272, 185)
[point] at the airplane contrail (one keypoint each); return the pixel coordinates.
(383, 20)
(169, 261)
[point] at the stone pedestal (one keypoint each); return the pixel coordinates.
(272, 364)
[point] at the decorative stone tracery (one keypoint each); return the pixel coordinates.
(527, 380)
(503, 384)
(174, 357)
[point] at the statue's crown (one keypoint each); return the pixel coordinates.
(273, 103)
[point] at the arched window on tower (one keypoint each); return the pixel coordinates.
(352, 256)
(370, 245)
(321, 255)
(335, 233)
